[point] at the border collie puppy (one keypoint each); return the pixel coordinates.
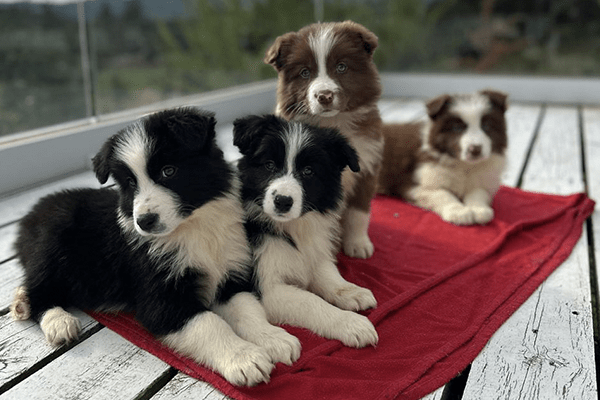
(327, 78)
(292, 192)
(451, 163)
(168, 243)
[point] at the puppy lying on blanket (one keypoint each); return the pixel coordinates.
(292, 192)
(450, 163)
(167, 243)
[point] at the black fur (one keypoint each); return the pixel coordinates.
(76, 254)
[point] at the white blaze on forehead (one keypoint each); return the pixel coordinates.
(321, 44)
(295, 140)
(470, 108)
(134, 150)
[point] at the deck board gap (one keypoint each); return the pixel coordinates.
(48, 359)
(158, 384)
(589, 226)
(538, 125)
(456, 387)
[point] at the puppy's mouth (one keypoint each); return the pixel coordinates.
(328, 112)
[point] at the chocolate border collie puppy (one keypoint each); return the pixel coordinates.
(293, 195)
(451, 163)
(166, 243)
(327, 78)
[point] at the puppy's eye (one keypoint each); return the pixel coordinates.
(305, 73)
(341, 68)
(307, 171)
(168, 171)
(131, 182)
(270, 166)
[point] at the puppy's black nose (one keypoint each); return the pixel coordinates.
(475, 150)
(147, 221)
(325, 97)
(283, 203)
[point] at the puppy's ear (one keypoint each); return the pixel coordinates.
(277, 53)
(368, 39)
(438, 106)
(191, 127)
(101, 160)
(342, 151)
(497, 99)
(247, 131)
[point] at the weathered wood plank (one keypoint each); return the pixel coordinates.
(182, 387)
(105, 366)
(11, 275)
(23, 347)
(545, 350)
(437, 395)
(403, 111)
(12, 208)
(520, 124)
(591, 132)
(7, 238)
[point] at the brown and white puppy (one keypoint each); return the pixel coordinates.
(327, 78)
(450, 163)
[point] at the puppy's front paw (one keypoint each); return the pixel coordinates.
(354, 298)
(19, 308)
(59, 326)
(482, 214)
(247, 365)
(358, 246)
(458, 214)
(280, 345)
(357, 331)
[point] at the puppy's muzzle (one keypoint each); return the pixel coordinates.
(148, 222)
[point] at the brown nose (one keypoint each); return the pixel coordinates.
(325, 97)
(474, 150)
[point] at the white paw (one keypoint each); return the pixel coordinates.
(354, 298)
(458, 214)
(19, 308)
(247, 365)
(280, 345)
(59, 326)
(358, 246)
(482, 214)
(356, 330)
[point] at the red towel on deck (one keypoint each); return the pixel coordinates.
(442, 291)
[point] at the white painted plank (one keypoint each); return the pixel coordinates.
(555, 164)
(105, 366)
(11, 276)
(183, 387)
(545, 350)
(7, 238)
(591, 131)
(16, 206)
(520, 126)
(23, 345)
(437, 395)
(403, 111)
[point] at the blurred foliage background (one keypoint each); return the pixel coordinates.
(143, 51)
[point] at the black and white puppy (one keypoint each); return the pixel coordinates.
(292, 192)
(168, 243)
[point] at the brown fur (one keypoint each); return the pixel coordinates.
(359, 91)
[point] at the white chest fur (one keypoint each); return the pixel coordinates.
(460, 177)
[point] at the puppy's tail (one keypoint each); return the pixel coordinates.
(19, 308)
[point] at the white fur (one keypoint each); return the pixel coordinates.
(287, 185)
(321, 44)
(247, 317)
(19, 308)
(295, 282)
(209, 340)
(459, 191)
(59, 326)
(470, 109)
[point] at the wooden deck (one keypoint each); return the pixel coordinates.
(546, 350)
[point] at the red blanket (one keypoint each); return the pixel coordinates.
(442, 291)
